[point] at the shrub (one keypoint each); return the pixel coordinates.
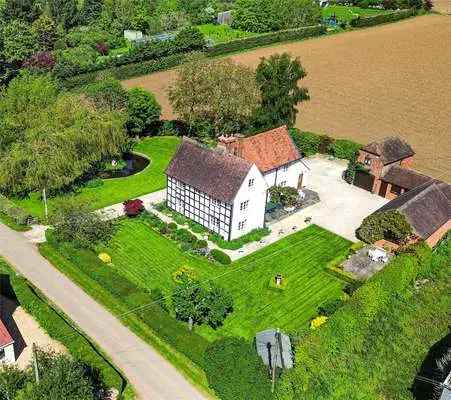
(390, 225)
(132, 208)
(201, 244)
(252, 236)
(233, 367)
(102, 48)
(220, 257)
(183, 235)
(382, 18)
(325, 142)
(343, 148)
(285, 195)
(163, 229)
(142, 109)
(184, 273)
(74, 223)
(318, 321)
(172, 226)
(308, 143)
(41, 61)
(349, 173)
(105, 258)
(107, 93)
(73, 61)
(265, 39)
(329, 307)
(190, 38)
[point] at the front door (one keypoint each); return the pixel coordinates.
(301, 177)
(383, 189)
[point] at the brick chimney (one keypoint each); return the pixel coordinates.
(230, 144)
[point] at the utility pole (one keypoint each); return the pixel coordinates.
(35, 363)
(46, 208)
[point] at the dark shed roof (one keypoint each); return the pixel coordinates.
(405, 177)
(426, 207)
(218, 174)
(390, 149)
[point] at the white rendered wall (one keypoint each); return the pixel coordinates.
(290, 176)
(9, 354)
(254, 214)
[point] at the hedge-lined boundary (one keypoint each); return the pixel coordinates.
(265, 39)
(58, 328)
(361, 22)
(19, 216)
(126, 71)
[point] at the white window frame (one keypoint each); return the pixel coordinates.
(242, 224)
(285, 168)
(244, 205)
(283, 183)
(251, 182)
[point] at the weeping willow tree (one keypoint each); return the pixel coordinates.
(47, 142)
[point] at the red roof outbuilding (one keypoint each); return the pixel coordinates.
(5, 337)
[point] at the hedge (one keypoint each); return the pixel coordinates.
(126, 71)
(361, 22)
(220, 257)
(265, 39)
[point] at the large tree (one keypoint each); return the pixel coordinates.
(27, 10)
(219, 94)
(143, 110)
(90, 11)
(57, 142)
(277, 78)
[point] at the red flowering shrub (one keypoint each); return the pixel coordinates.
(43, 60)
(132, 208)
(103, 48)
(428, 4)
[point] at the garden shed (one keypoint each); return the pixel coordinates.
(274, 348)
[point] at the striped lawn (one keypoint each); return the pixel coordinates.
(148, 259)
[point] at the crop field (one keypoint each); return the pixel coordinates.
(366, 84)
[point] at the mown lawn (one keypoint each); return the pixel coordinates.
(143, 262)
(111, 191)
(346, 14)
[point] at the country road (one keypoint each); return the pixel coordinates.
(152, 377)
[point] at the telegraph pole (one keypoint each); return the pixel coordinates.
(35, 364)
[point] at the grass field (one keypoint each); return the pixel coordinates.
(111, 191)
(365, 84)
(148, 259)
(143, 263)
(59, 329)
(223, 33)
(344, 13)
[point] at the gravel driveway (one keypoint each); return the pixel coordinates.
(342, 207)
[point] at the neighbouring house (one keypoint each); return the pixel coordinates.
(427, 208)
(7, 354)
(274, 348)
(225, 189)
(274, 153)
(389, 165)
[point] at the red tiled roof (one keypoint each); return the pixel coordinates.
(268, 150)
(5, 337)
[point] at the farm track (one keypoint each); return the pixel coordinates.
(392, 79)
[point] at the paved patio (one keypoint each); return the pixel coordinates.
(361, 266)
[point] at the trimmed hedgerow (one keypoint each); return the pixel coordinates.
(265, 39)
(233, 368)
(382, 18)
(308, 143)
(126, 71)
(343, 148)
(220, 257)
(388, 318)
(18, 216)
(253, 236)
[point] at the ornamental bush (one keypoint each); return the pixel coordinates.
(143, 110)
(132, 208)
(285, 195)
(220, 257)
(235, 371)
(390, 225)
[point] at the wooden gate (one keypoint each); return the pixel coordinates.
(364, 180)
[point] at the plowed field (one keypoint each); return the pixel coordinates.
(393, 79)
